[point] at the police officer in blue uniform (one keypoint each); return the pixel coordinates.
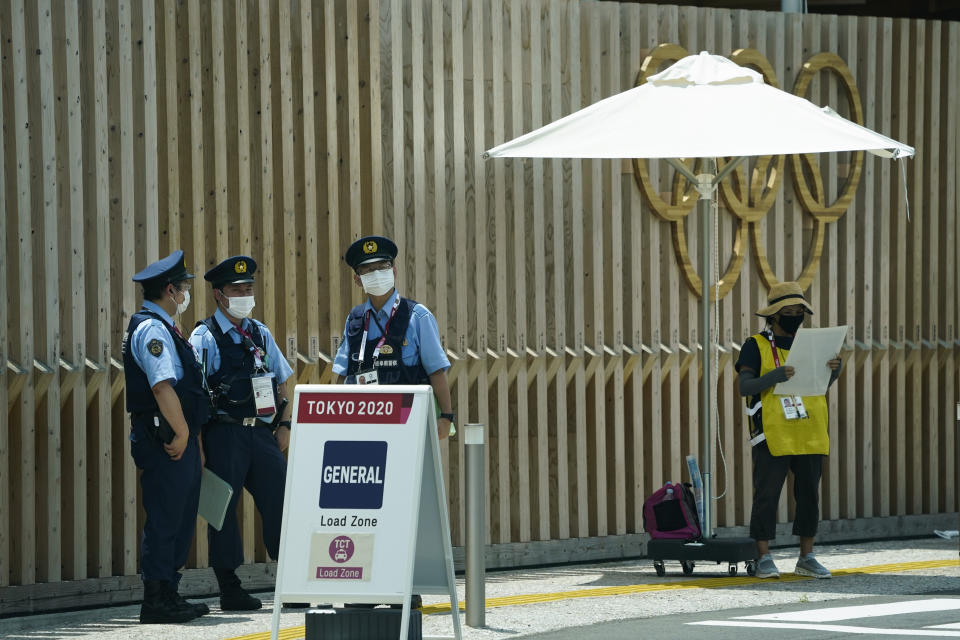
(390, 339)
(168, 406)
(245, 438)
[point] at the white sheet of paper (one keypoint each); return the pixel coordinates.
(811, 350)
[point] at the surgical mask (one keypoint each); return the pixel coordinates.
(182, 306)
(377, 283)
(240, 306)
(790, 324)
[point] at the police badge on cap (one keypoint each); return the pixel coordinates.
(370, 249)
(235, 270)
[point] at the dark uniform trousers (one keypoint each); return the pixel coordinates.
(769, 474)
(171, 493)
(245, 457)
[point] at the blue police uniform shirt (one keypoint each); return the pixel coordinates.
(422, 339)
(201, 338)
(167, 365)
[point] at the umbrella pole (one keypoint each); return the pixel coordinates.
(705, 182)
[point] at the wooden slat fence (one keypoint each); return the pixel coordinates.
(287, 129)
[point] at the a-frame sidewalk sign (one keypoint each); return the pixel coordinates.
(365, 512)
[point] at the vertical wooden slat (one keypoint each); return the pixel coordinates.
(519, 74)
(76, 340)
(50, 479)
(288, 218)
(559, 339)
(461, 227)
(25, 544)
(932, 273)
(438, 145)
(593, 257)
(98, 205)
(5, 469)
(222, 215)
(951, 45)
(615, 232)
(376, 114)
(652, 288)
(127, 248)
(310, 255)
(170, 65)
(919, 439)
(150, 170)
(497, 71)
(901, 91)
(353, 120)
(398, 129)
(859, 307)
(882, 283)
(481, 63)
(268, 209)
(244, 146)
(576, 228)
(540, 249)
(633, 334)
(688, 418)
(334, 270)
(417, 281)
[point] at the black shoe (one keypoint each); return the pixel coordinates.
(198, 607)
(416, 602)
(162, 606)
(234, 597)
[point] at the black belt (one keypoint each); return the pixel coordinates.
(245, 422)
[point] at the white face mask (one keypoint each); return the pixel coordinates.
(240, 306)
(182, 306)
(377, 283)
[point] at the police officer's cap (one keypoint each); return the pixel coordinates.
(170, 269)
(235, 270)
(370, 249)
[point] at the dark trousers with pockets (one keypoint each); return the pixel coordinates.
(769, 474)
(245, 457)
(170, 493)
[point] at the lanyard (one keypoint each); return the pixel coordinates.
(383, 338)
(257, 356)
(773, 348)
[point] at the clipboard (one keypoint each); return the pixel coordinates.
(215, 495)
(811, 350)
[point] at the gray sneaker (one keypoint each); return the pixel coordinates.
(808, 566)
(766, 567)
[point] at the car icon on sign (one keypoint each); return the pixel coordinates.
(340, 555)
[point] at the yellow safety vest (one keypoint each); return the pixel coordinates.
(784, 437)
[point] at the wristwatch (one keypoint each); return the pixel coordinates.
(452, 417)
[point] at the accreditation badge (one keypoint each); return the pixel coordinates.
(263, 394)
(789, 407)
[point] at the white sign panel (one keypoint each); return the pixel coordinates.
(364, 513)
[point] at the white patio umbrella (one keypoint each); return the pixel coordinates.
(703, 106)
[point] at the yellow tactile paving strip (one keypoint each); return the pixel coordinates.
(293, 633)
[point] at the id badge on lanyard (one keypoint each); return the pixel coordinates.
(369, 376)
(263, 396)
(792, 406)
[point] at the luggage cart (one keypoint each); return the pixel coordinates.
(733, 551)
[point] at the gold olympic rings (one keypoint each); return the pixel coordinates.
(750, 201)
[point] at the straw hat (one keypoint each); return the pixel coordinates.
(782, 295)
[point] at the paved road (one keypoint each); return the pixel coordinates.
(919, 616)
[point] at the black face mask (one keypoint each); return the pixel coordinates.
(790, 324)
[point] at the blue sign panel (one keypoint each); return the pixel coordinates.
(353, 474)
